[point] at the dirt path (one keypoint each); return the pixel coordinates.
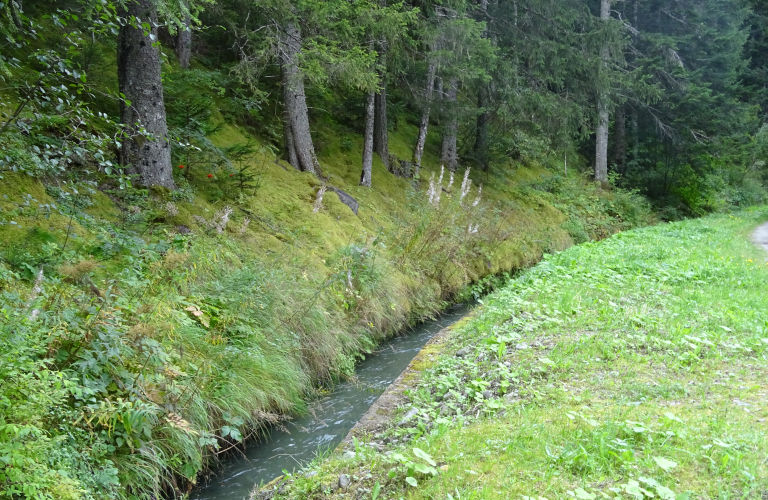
(760, 236)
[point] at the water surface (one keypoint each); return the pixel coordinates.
(329, 421)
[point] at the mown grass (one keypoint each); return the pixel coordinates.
(632, 368)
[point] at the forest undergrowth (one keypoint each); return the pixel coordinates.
(147, 333)
(631, 368)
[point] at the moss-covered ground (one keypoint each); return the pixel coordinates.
(631, 368)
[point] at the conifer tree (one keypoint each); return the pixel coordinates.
(146, 150)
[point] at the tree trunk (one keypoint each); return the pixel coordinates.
(139, 79)
(370, 111)
(184, 42)
(290, 148)
(380, 134)
(603, 116)
(298, 139)
(481, 133)
(619, 140)
(449, 155)
(422, 139)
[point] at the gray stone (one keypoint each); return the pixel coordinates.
(346, 199)
(507, 364)
(349, 455)
(487, 394)
(521, 345)
(311, 473)
(408, 416)
(462, 352)
(343, 481)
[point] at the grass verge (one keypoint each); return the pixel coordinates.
(631, 368)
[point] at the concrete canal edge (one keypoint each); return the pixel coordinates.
(379, 416)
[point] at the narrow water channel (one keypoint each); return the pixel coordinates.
(331, 418)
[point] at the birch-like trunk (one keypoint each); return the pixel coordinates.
(146, 150)
(422, 138)
(365, 176)
(603, 116)
(450, 157)
(298, 139)
(380, 133)
(184, 42)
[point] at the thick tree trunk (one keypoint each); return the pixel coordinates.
(481, 132)
(422, 139)
(139, 79)
(290, 149)
(380, 134)
(603, 116)
(184, 42)
(365, 176)
(619, 140)
(449, 155)
(298, 139)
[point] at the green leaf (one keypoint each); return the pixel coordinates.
(424, 469)
(583, 495)
(672, 417)
(376, 490)
(548, 362)
(411, 481)
(665, 463)
(423, 455)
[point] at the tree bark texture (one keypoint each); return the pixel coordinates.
(139, 79)
(184, 43)
(380, 133)
(423, 127)
(449, 155)
(370, 111)
(481, 131)
(620, 139)
(298, 139)
(603, 116)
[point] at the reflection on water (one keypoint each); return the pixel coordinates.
(329, 420)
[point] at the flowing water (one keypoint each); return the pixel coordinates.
(331, 418)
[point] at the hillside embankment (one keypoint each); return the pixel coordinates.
(147, 332)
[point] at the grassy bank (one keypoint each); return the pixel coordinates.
(630, 368)
(145, 333)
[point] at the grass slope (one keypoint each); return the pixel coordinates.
(631, 368)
